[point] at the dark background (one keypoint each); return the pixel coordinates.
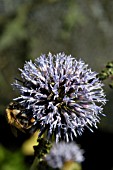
(29, 28)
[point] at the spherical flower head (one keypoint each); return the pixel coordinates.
(63, 152)
(65, 96)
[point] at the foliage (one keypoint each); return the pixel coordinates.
(11, 160)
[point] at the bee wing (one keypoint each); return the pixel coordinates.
(14, 131)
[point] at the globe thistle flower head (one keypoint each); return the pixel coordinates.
(63, 152)
(65, 96)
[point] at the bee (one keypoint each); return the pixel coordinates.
(19, 117)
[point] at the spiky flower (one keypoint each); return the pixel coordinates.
(62, 152)
(64, 95)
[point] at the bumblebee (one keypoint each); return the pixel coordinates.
(19, 117)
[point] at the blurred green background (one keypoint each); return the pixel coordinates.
(29, 28)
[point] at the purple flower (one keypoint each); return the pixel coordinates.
(63, 152)
(65, 96)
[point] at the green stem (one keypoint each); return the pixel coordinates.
(35, 164)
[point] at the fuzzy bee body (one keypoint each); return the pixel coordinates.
(19, 117)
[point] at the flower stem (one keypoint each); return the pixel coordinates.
(35, 164)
